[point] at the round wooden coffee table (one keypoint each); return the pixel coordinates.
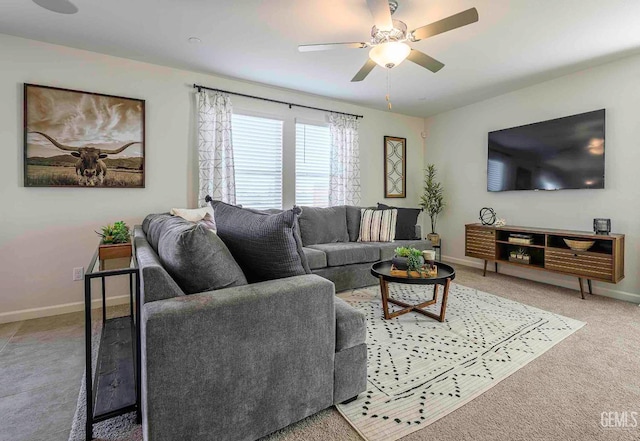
(446, 274)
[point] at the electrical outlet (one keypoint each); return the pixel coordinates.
(78, 273)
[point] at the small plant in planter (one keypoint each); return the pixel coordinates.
(115, 243)
(407, 256)
(415, 263)
(114, 234)
(403, 251)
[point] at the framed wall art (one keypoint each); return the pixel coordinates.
(395, 167)
(82, 139)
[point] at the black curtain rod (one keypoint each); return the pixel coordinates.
(199, 87)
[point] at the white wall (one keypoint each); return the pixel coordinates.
(457, 144)
(45, 232)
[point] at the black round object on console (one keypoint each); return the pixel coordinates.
(487, 216)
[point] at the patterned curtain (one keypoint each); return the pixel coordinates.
(344, 187)
(215, 149)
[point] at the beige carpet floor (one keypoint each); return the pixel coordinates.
(559, 396)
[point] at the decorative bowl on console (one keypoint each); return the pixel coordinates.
(579, 245)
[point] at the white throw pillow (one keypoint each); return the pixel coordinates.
(204, 215)
(377, 225)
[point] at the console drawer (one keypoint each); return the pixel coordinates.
(480, 243)
(590, 265)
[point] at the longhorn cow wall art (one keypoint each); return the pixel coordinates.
(82, 139)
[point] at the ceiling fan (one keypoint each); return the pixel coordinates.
(389, 38)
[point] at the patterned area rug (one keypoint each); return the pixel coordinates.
(419, 369)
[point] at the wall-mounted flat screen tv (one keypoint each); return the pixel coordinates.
(563, 153)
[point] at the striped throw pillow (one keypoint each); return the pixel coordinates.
(377, 225)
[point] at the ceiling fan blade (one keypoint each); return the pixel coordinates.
(381, 13)
(329, 46)
(446, 24)
(364, 71)
(425, 60)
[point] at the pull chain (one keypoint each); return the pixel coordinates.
(388, 96)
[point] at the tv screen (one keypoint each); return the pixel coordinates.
(563, 153)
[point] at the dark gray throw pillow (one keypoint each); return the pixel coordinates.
(196, 258)
(267, 246)
(354, 216)
(405, 223)
(323, 225)
(152, 227)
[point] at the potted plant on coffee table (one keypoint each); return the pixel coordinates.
(432, 201)
(404, 256)
(115, 243)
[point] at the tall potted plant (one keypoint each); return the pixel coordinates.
(432, 201)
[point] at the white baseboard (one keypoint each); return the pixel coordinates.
(47, 311)
(550, 278)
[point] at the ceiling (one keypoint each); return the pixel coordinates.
(516, 43)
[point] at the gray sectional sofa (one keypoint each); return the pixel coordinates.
(241, 331)
(241, 361)
(329, 239)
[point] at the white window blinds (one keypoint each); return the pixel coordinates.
(257, 150)
(313, 157)
(495, 175)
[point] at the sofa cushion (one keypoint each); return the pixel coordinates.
(266, 246)
(152, 226)
(349, 276)
(354, 214)
(156, 283)
(406, 221)
(316, 258)
(194, 256)
(323, 225)
(387, 249)
(348, 253)
(351, 328)
(377, 225)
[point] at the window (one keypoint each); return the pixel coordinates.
(313, 159)
(257, 154)
(495, 175)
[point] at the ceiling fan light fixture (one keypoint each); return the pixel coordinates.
(389, 54)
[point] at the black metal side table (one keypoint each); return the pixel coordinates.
(114, 388)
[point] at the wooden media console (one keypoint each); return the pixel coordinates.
(546, 251)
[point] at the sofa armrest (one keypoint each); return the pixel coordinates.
(239, 362)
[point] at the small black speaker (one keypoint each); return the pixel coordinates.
(602, 226)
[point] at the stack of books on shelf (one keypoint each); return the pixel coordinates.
(521, 239)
